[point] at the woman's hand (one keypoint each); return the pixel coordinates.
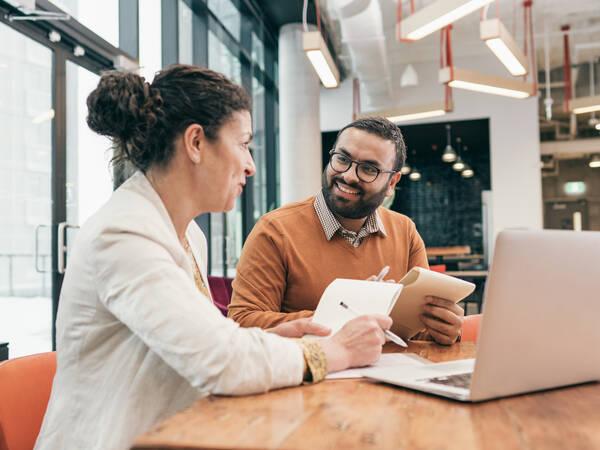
(357, 344)
(299, 327)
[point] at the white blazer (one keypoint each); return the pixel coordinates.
(136, 340)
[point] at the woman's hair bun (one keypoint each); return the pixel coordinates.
(144, 120)
(118, 105)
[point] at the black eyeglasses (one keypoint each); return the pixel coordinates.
(366, 172)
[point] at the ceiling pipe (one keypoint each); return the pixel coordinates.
(362, 32)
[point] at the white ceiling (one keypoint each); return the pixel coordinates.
(380, 61)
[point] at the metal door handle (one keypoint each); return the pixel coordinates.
(62, 247)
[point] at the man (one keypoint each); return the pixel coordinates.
(294, 252)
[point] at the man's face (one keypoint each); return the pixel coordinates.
(345, 194)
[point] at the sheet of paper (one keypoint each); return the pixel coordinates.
(415, 371)
(392, 361)
(364, 297)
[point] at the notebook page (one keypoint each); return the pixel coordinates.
(364, 297)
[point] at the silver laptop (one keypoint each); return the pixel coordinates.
(540, 327)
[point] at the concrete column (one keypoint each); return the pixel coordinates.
(299, 123)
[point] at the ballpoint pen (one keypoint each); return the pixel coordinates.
(388, 334)
(382, 273)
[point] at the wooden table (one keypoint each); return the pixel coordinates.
(345, 414)
(446, 251)
(467, 273)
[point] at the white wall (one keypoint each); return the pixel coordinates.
(336, 106)
(514, 137)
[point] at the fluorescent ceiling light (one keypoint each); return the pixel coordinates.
(408, 113)
(598, 126)
(501, 42)
(594, 162)
(436, 16)
(319, 56)
(489, 84)
(583, 105)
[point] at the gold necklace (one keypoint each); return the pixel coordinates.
(199, 281)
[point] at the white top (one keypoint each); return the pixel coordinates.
(136, 340)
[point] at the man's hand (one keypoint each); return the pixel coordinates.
(443, 319)
(299, 327)
(374, 278)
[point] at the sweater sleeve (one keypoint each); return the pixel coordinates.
(260, 282)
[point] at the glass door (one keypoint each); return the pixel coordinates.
(39, 214)
(26, 121)
(88, 176)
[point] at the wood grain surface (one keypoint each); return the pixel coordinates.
(359, 414)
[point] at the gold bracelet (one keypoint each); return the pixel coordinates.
(315, 360)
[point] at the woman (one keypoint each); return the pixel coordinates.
(138, 337)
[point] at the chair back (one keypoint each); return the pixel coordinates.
(25, 385)
(220, 289)
(441, 268)
(470, 328)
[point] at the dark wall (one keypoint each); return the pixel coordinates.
(445, 206)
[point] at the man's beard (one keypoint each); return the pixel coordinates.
(362, 207)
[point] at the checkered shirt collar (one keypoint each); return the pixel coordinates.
(331, 225)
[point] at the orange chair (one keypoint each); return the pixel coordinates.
(25, 385)
(470, 328)
(438, 268)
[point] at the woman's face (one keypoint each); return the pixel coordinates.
(229, 161)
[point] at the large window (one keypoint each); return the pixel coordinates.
(221, 59)
(239, 46)
(228, 16)
(259, 149)
(54, 172)
(150, 38)
(101, 17)
(186, 36)
(26, 116)
(89, 177)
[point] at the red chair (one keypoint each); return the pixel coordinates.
(229, 287)
(220, 289)
(470, 328)
(25, 385)
(438, 268)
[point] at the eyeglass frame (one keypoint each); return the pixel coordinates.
(357, 164)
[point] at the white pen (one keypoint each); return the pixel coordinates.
(388, 334)
(382, 273)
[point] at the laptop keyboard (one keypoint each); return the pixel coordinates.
(460, 380)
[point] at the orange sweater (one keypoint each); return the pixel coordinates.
(288, 262)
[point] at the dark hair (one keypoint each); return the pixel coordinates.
(144, 119)
(383, 128)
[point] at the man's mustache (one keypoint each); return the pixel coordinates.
(351, 186)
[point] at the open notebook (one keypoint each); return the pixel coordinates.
(402, 301)
(364, 297)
